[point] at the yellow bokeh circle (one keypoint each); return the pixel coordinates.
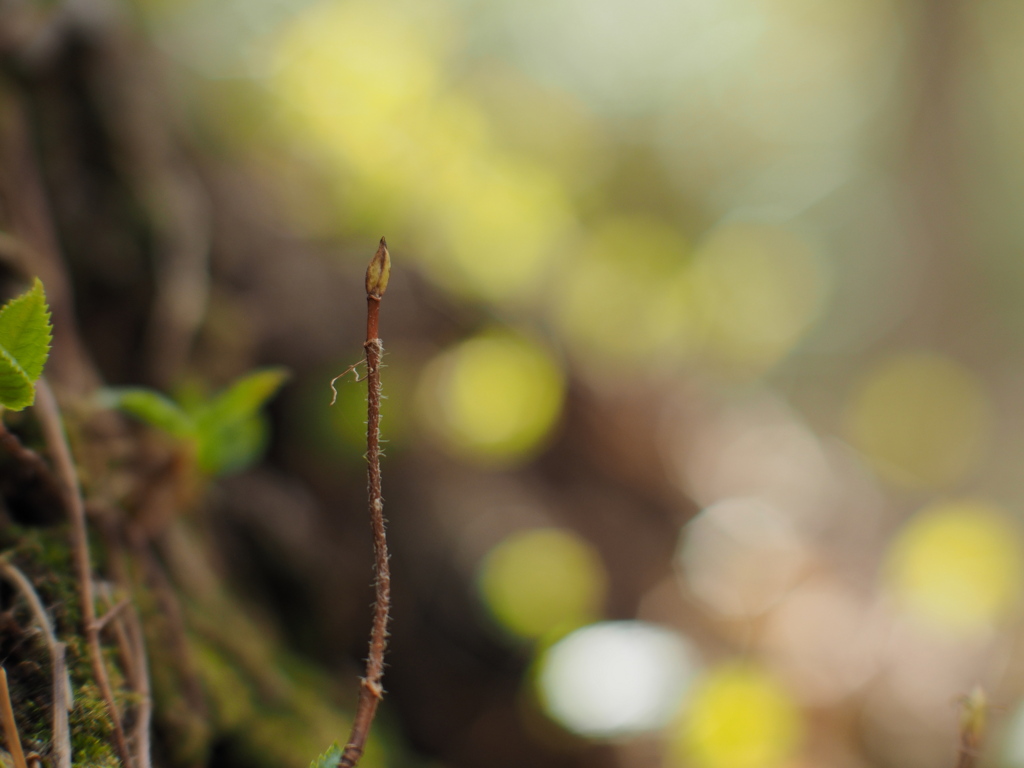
(492, 399)
(543, 582)
(921, 419)
(738, 716)
(957, 565)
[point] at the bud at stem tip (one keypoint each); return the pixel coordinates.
(378, 272)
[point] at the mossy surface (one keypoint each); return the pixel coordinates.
(232, 688)
(44, 556)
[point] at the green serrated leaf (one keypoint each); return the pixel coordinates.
(328, 759)
(16, 389)
(152, 408)
(25, 331)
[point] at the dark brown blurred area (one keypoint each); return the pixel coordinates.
(769, 350)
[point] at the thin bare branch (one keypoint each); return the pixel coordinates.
(127, 631)
(14, 575)
(63, 703)
(60, 452)
(111, 621)
(112, 612)
(30, 462)
(141, 685)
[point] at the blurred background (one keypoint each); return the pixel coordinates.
(705, 352)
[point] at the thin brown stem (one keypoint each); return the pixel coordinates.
(111, 623)
(31, 463)
(127, 630)
(112, 612)
(141, 684)
(60, 451)
(370, 689)
(63, 703)
(10, 727)
(372, 318)
(136, 666)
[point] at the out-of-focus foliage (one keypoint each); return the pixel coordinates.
(226, 432)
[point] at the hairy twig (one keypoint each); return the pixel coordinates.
(60, 451)
(10, 727)
(370, 689)
(62, 702)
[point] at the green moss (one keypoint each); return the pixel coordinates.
(91, 730)
(44, 556)
(271, 709)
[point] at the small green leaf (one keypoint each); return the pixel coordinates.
(231, 431)
(152, 408)
(25, 335)
(242, 399)
(231, 447)
(16, 389)
(228, 432)
(328, 759)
